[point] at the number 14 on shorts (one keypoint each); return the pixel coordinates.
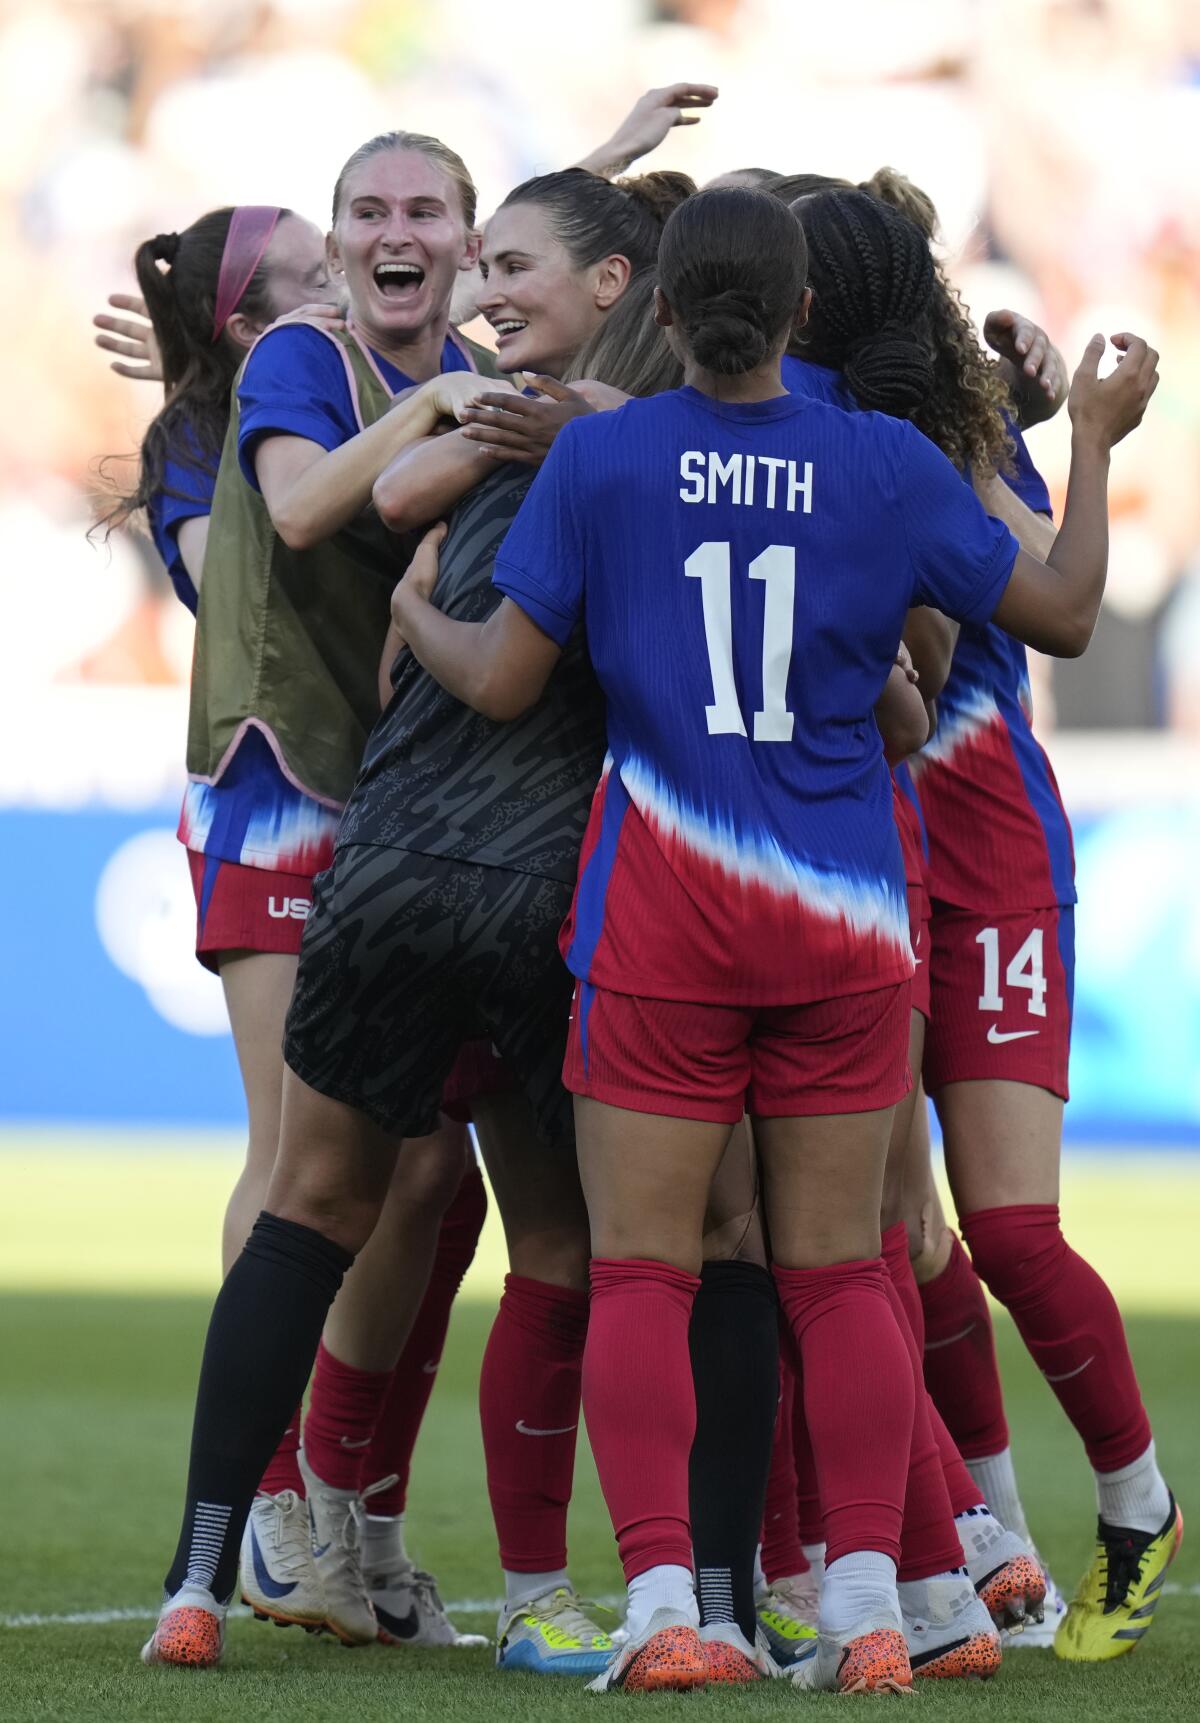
(1024, 970)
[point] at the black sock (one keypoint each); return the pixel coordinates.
(735, 1365)
(262, 1340)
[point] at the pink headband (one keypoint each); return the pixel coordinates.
(250, 231)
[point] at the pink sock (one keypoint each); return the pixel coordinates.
(529, 1389)
(858, 1400)
(641, 1406)
(782, 1552)
(283, 1470)
(961, 1371)
(399, 1424)
(343, 1411)
(1069, 1320)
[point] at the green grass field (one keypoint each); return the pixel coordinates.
(97, 1366)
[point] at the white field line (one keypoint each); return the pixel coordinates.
(462, 1606)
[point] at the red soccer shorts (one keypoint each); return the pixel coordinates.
(714, 1062)
(1001, 990)
(478, 1072)
(918, 933)
(247, 908)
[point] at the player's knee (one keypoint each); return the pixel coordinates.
(559, 1257)
(1016, 1251)
(430, 1169)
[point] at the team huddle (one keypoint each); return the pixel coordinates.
(634, 720)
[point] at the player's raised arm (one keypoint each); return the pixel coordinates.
(647, 124)
(1053, 605)
(498, 667)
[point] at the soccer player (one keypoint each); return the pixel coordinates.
(738, 928)
(246, 818)
(485, 844)
(209, 293)
(1001, 965)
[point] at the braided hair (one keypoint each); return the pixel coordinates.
(884, 315)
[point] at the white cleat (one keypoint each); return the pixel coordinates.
(190, 1631)
(871, 1658)
(279, 1577)
(410, 1612)
(667, 1658)
(949, 1631)
(336, 1523)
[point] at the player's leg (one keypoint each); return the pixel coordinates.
(365, 1569)
(960, 1366)
(406, 1599)
(787, 1588)
(330, 1181)
(999, 1086)
(826, 1080)
(950, 1629)
(529, 1389)
(646, 1178)
(734, 1342)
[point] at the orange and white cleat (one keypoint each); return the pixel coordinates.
(950, 1634)
(190, 1632)
(873, 1658)
(1008, 1580)
(730, 1658)
(667, 1658)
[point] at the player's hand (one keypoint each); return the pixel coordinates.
(134, 341)
(329, 316)
(647, 124)
(522, 428)
(904, 662)
(601, 397)
(1028, 349)
(420, 577)
(454, 393)
(1109, 408)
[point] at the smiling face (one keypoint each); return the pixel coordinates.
(542, 306)
(401, 238)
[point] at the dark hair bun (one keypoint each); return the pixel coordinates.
(889, 371)
(166, 247)
(728, 333)
(659, 193)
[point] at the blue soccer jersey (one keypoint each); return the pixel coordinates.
(743, 573)
(999, 837)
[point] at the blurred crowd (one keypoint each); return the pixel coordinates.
(1057, 137)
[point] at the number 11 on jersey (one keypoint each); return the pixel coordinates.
(776, 567)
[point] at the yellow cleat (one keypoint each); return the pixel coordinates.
(1117, 1597)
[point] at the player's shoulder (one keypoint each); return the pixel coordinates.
(296, 346)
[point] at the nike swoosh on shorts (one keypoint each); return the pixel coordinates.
(996, 1036)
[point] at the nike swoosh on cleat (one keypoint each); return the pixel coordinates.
(996, 1036)
(262, 1573)
(527, 1430)
(400, 1626)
